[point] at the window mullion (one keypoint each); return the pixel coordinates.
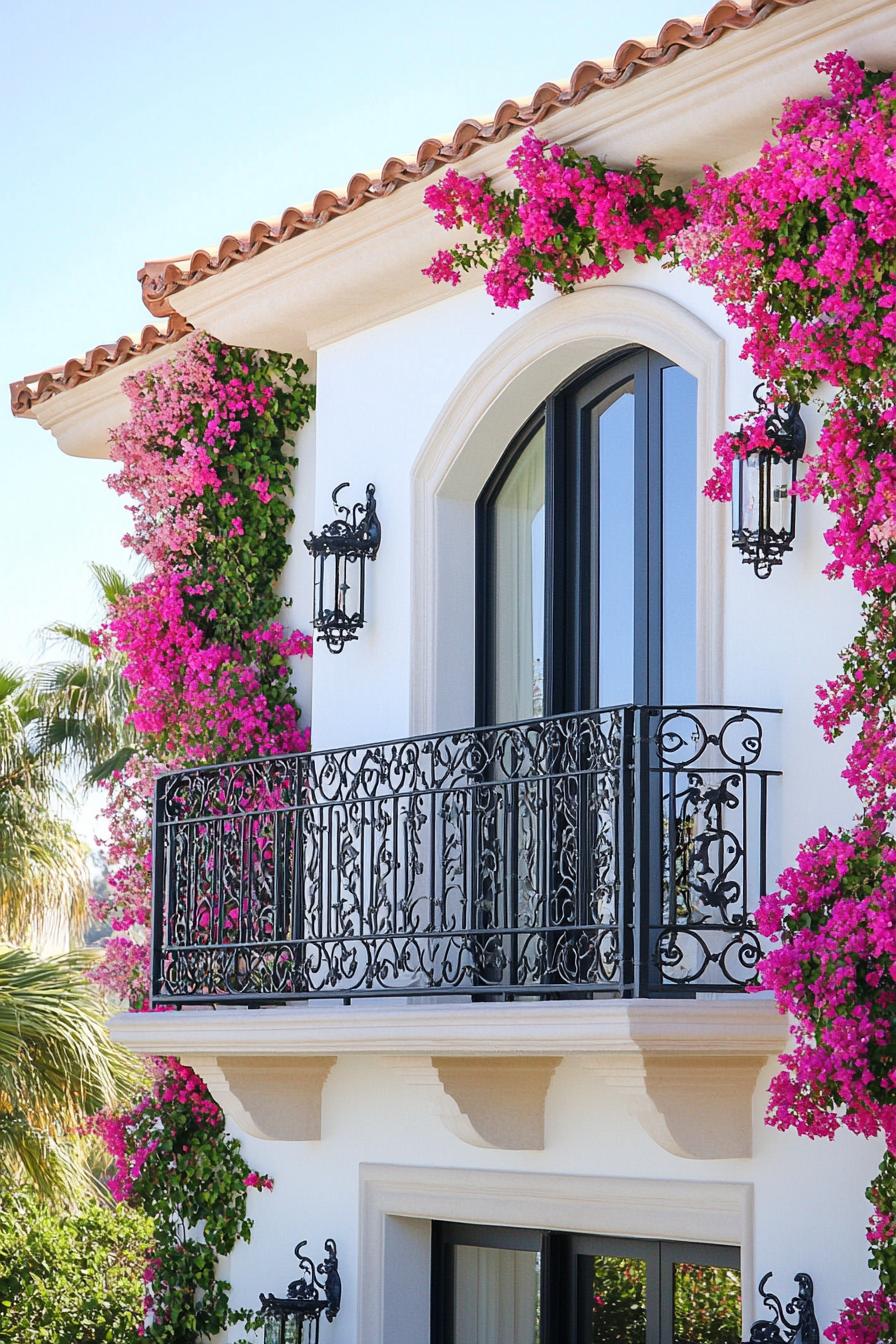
(556, 689)
(558, 1288)
(666, 1294)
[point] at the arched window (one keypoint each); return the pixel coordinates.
(587, 545)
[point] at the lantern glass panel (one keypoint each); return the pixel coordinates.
(294, 1330)
(779, 511)
(272, 1330)
(746, 495)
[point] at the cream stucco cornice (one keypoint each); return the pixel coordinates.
(746, 1025)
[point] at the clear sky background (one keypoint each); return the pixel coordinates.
(136, 130)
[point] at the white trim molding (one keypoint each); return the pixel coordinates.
(506, 384)
(398, 1205)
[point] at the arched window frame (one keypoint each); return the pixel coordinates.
(488, 402)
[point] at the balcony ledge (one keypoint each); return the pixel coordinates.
(686, 1068)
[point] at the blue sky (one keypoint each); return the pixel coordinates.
(136, 131)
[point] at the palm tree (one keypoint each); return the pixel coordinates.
(42, 862)
(85, 699)
(57, 1064)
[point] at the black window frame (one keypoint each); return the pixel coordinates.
(569, 619)
(565, 1290)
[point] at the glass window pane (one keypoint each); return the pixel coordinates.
(613, 481)
(518, 611)
(618, 1299)
(707, 1305)
(680, 493)
(497, 1296)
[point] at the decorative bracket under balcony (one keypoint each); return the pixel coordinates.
(687, 1069)
(486, 1102)
(691, 1106)
(270, 1098)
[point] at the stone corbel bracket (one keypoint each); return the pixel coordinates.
(692, 1107)
(486, 1102)
(269, 1097)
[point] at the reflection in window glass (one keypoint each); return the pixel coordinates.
(613, 480)
(518, 513)
(680, 491)
(707, 1305)
(497, 1296)
(619, 1300)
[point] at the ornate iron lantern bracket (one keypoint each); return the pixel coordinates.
(351, 539)
(316, 1292)
(791, 1323)
(763, 522)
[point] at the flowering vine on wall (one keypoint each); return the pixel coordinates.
(800, 251)
(206, 464)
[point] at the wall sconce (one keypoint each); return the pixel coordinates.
(352, 539)
(795, 1321)
(285, 1318)
(763, 505)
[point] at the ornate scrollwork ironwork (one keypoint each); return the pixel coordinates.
(795, 1321)
(712, 792)
(498, 860)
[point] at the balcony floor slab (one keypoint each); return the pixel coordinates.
(656, 1052)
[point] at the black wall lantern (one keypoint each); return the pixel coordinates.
(793, 1324)
(295, 1318)
(350, 540)
(763, 505)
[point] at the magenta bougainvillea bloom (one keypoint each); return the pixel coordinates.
(570, 219)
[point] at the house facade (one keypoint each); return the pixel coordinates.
(521, 1054)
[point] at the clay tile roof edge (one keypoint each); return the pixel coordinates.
(28, 392)
(163, 278)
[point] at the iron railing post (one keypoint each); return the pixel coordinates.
(643, 852)
(625, 853)
(159, 913)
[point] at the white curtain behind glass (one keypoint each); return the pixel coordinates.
(496, 1296)
(519, 587)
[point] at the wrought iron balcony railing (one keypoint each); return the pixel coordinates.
(618, 852)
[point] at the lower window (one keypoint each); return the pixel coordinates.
(525, 1286)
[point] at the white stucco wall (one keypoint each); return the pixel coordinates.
(808, 1210)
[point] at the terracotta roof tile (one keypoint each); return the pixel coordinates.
(37, 387)
(161, 279)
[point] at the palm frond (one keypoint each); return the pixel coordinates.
(57, 1064)
(84, 700)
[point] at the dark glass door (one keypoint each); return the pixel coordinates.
(522, 1286)
(587, 548)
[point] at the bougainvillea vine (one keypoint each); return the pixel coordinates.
(206, 464)
(172, 1158)
(569, 219)
(800, 251)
